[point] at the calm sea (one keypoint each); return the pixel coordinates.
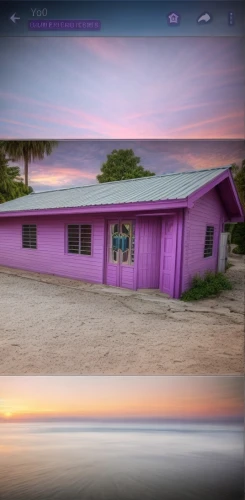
(120, 462)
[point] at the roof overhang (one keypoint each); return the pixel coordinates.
(224, 184)
(119, 207)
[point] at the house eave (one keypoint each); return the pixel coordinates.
(215, 183)
(236, 219)
(206, 188)
(120, 207)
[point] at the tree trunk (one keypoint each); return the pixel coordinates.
(26, 170)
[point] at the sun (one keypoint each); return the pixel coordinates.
(8, 414)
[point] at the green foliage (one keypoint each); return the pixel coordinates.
(238, 173)
(228, 265)
(211, 284)
(229, 227)
(11, 184)
(122, 164)
(238, 234)
(239, 250)
(27, 151)
(238, 230)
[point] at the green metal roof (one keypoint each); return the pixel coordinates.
(172, 186)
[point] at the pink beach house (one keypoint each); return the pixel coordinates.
(154, 232)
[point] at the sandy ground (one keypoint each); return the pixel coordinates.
(51, 325)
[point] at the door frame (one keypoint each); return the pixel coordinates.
(120, 264)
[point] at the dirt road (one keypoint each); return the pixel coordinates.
(51, 325)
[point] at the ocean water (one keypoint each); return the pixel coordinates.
(40, 461)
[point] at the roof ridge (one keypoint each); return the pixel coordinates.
(131, 180)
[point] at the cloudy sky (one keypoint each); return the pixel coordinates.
(72, 88)
(76, 163)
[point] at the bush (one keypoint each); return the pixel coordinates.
(228, 265)
(239, 250)
(210, 284)
(238, 237)
(238, 234)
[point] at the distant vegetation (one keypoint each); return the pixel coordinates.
(238, 230)
(238, 238)
(238, 172)
(122, 164)
(210, 285)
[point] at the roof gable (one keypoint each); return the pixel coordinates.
(230, 199)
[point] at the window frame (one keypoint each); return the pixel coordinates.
(79, 224)
(22, 237)
(213, 241)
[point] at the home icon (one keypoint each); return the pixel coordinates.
(173, 18)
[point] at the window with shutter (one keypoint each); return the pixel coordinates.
(79, 239)
(209, 241)
(29, 236)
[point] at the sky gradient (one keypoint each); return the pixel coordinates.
(142, 88)
(76, 163)
(197, 398)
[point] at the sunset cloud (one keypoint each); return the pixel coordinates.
(75, 163)
(59, 177)
(122, 88)
(125, 397)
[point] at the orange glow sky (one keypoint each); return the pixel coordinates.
(76, 163)
(114, 397)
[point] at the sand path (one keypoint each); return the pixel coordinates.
(51, 325)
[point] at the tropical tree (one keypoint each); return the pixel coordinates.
(238, 230)
(122, 164)
(11, 184)
(238, 237)
(28, 151)
(239, 178)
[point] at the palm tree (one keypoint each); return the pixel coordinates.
(11, 184)
(28, 151)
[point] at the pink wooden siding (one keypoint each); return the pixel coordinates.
(149, 242)
(207, 210)
(51, 256)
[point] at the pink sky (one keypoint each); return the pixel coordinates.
(124, 88)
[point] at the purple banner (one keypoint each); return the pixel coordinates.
(64, 25)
